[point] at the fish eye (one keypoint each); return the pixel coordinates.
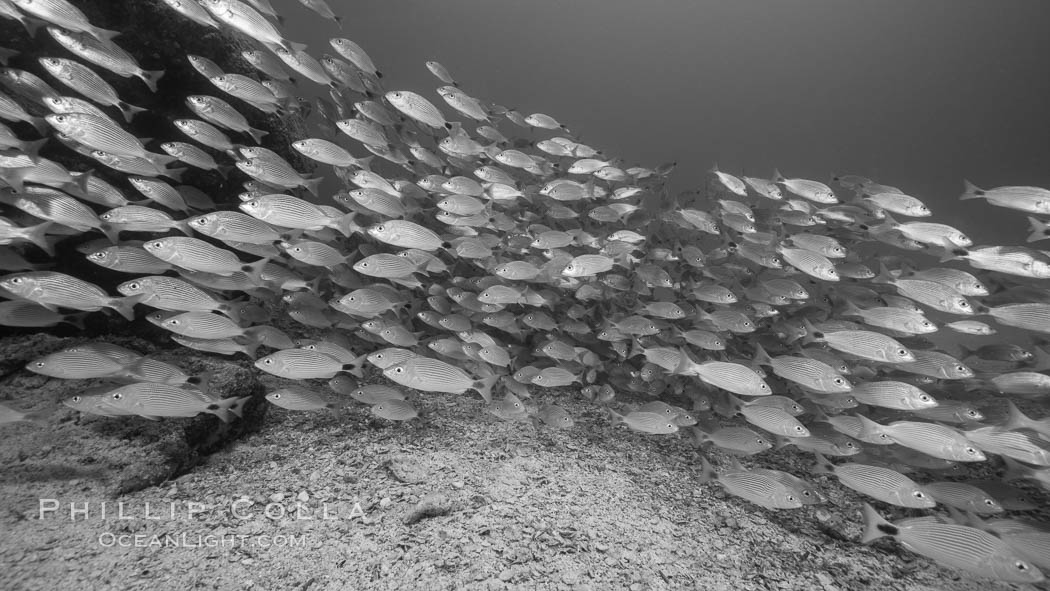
(117, 396)
(989, 502)
(902, 352)
(276, 395)
(972, 451)
(268, 361)
(75, 399)
(1021, 565)
(40, 364)
(839, 381)
(960, 368)
(924, 398)
(919, 494)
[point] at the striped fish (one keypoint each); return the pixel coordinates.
(196, 255)
(77, 364)
(760, 489)
(53, 290)
(234, 226)
(379, 201)
(957, 546)
(159, 192)
(432, 375)
(192, 155)
(734, 377)
(407, 235)
(883, 484)
(314, 253)
(932, 439)
(108, 55)
(936, 365)
(811, 373)
(962, 496)
(152, 400)
(418, 108)
(204, 325)
(247, 89)
(287, 211)
(299, 364)
(892, 394)
(219, 112)
(300, 398)
(395, 410)
(85, 81)
(325, 152)
(278, 174)
(128, 259)
(863, 343)
(376, 393)
(205, 133)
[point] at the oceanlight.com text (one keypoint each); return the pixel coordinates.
(186, 540)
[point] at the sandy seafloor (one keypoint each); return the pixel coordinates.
(458, 500)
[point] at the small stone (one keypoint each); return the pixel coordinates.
(303, 497)
(314, 475)
(506, 575)
(276, 497)
(457, 484)
(248, 562)
(385, 502)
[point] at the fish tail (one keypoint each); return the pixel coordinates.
(32, 149)
(707, 471)
(180, 225)
(202, 381)
(1014, 470)
(40, 124)
(150, 77)
(823, 466)
(257, 134)
(126, 306)
(354, 368)
(15, 177)
(38, 235)
(485, 387)
(129, 111)
(614, 416)
(255, 270)
(230, 311)
(971, 191)
(761, 356)
(812, 334)
(314, 185)
(1039, 229)
(224, 170)
(237, 408)
(869, 428)
(293, 46)
(875, 526)
(76, 320)
(174, 174)
(884, 276)
(346, 226)
(1015, 419)
(160, 160)
(104, 35)
(221, 409)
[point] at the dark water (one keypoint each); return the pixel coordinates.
(914, 94)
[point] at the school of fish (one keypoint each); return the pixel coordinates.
(482, 251)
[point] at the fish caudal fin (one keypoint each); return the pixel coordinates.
(150, 77)
(971, 191)
(484, 387)
(126, 306)
(1040, 230)
(875, 526)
